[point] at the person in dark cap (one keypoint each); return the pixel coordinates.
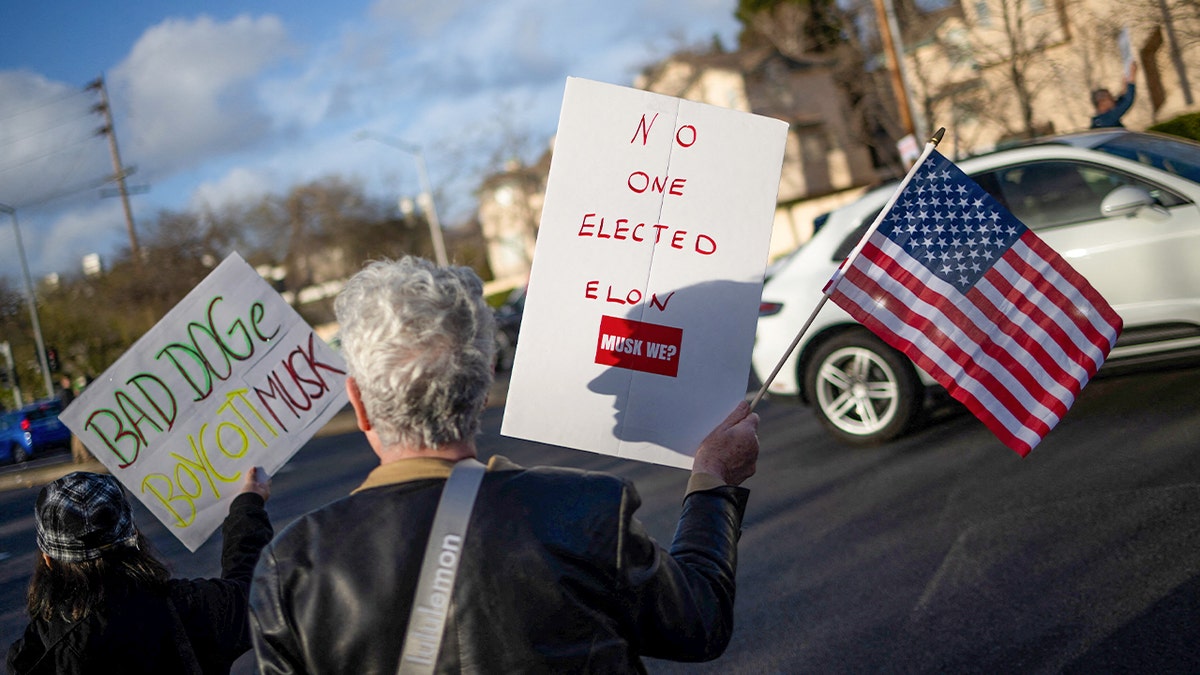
(101, 601)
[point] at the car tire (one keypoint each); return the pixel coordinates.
(19, 456)
(863, 391)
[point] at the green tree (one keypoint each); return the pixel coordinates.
(795, 27)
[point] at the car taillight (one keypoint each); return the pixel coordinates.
(769, 308)
(25, 425)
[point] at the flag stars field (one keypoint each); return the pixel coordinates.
(946, 248)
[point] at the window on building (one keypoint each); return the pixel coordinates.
(983, 13)
(958, 48)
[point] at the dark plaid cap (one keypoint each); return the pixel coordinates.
(81, 515)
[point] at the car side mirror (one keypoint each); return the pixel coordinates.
(1126, 200)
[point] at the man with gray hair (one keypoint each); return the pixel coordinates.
(554, 574)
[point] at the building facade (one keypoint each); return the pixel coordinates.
(1002, 70)
(825, 163)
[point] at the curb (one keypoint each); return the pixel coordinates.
(30, 478)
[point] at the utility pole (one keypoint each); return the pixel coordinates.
(893, 44)
(32, 300)
(119, 172)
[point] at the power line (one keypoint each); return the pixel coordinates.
(46, 155)
(8, 115)
(17, 139)
(92, 184)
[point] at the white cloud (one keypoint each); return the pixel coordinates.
(189, 87)
(214, 111)
(421, 18)
(49, 149)
(240, 185)
(442, 74)
(58, 241)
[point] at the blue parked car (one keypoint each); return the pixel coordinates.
(31, 430)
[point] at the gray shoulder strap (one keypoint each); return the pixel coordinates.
(436, 584)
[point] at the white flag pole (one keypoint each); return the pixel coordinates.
(837, 276)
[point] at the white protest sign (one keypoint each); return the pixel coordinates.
(643, 296)
(1125, 45)
(231, 378)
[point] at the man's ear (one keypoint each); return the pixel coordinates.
(360, 411)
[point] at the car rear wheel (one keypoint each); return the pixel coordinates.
(864, 391)
(19, 455)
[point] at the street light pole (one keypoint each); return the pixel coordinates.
(426, 199)
(33, 314)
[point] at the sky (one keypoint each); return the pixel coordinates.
(223, 101)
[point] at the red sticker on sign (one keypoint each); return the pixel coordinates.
(634, 345)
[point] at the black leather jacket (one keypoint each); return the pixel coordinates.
(556, 575)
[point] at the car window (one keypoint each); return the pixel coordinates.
(1049, 194)
(45, 410)
(1171, 155)
(851, 240)
(820, 221)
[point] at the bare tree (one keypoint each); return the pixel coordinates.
(323, 230)
(319, 231)
(984, 67)
(844, 36)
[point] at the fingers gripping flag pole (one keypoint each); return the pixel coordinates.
(950, 278)
(929, 147)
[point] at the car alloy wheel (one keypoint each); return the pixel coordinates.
(19, 455)
(864, 391)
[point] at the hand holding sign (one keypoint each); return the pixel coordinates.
(258, 482)
(730, 452)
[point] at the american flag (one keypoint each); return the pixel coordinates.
(978, 302)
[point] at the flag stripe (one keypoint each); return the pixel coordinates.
(1037, 279)
(1092, 314)
(963, 339)
(980, 319)
(929, 357)
(1006, 428)
(1040, 318)
(1034, 325)
(980, 303)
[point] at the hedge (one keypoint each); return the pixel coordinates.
(1185, 126)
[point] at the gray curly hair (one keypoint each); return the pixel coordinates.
(419, 341)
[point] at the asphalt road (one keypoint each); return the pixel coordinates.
(941, 552)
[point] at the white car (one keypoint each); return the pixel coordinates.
(1123, 208)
